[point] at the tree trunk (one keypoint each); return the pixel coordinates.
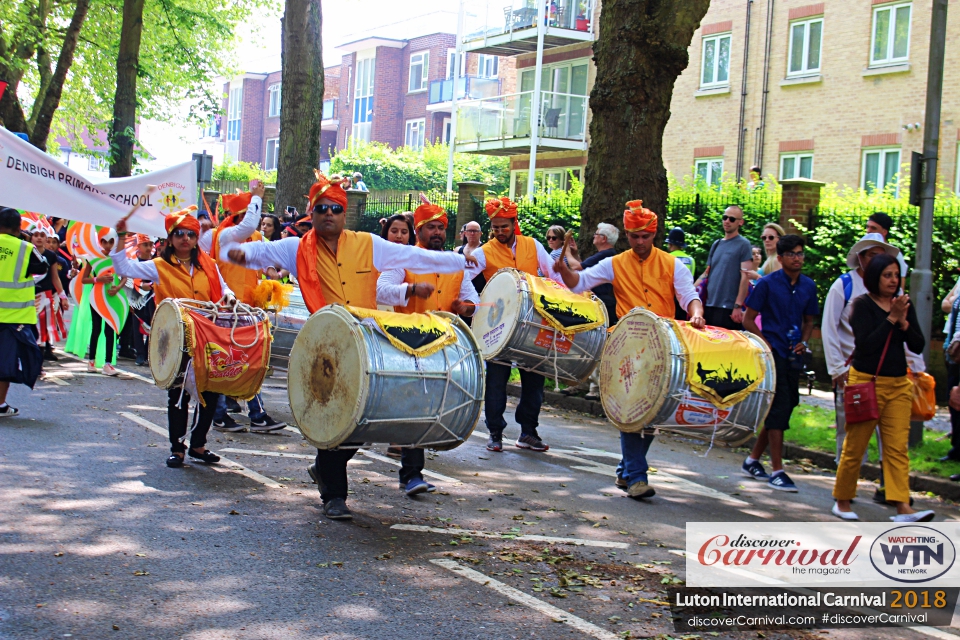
(640, 52)
(14, 59)
(122, 136)
(43, 118)
(301, 102)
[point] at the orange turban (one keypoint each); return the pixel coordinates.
(183, 219)
(637, 218)
(237, 203)
(503, 208)
(323, 188)
(428, 213)
(141, 238)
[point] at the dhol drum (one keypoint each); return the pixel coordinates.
(644, 380)
(510, 330)
(233, 343)
(348, 384)
(287, 323)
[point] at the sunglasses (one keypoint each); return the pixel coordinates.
(472, 231)
(765, 238)
(794, 254)
(180, 233)
(552, 238)
(730, 218)
(332, 208)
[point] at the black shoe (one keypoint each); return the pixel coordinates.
(233, 406)
(175, 461)
(207, 456)
(228, 424)
(950, 457)
(395, 452)
(127, 354)
(6, 411)
(49, 355)
(880, 496)
(312, 470)
(495, 443)
(336, 509)
(266, 424)
(141, 363)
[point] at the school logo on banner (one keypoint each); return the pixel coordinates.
(171, 196)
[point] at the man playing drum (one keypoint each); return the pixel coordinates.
(334, 265)
(510, 249)
(409, 292)
(651, 279)
(183, 270)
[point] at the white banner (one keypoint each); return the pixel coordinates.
(822, 554)
(31, 180)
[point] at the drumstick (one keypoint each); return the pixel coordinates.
(150, 189)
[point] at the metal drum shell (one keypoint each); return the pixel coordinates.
(398, 396)
(286, 324)
(167, 340)
(519, 346)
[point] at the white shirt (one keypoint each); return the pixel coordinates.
(206, 240)
(392, 290)
(602, 273)
(243, 230)
(836, 333)
(282, 254)
(127, 268)
(543, 260)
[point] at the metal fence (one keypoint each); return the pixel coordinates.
(384, 204)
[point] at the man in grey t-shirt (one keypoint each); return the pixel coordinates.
(727, 265)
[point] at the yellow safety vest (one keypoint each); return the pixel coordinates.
(16, 287)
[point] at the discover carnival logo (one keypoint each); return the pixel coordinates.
(912, 554)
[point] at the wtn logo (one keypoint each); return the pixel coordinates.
(898, 554)
(913, 553)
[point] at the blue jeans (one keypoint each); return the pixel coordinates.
(495, 400)
(633, 465)
(254, 407)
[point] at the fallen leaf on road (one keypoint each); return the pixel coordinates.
(197, 504)
(322, 564)
(151, 445)
(233, 512)
(58, 554)
(141, 555)
(141, 573)
(116, 627)
(659, 602)
(483, 509)
(623, 533)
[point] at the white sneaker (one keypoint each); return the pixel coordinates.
(919, 516)
(108, 370)
(91, 367)
(844, 515)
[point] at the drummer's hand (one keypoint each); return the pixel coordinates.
(471, 261)
(697, 322)
(228, 300)
(121, 226)
(737, 315)
(463, 308)
(64, 304)
(422, 289)
(258, 189)
(237, 256)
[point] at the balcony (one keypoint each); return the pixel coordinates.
(468, 88)
(501, 126)
(496, 29)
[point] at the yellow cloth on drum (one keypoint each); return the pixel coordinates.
(417, 334)
(723, 366)
(564, 310)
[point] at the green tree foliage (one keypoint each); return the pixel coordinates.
(408, 169)
(234, 171)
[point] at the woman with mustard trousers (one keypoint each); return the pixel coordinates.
(879, 317)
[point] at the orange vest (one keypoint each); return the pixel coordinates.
(647, 284)
(446, 289)
(242, 281)
(500, 256)
(347, 278)
(176, 282)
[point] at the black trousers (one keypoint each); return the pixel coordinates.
(141, 342)
(177, 419)
(495, 400)
(332, 472)
(110, 337)
(127, 336)
(411, 465)
(953, 379)
(720, 317)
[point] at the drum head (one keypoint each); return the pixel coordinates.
(326, 380)
(166, 344)
(635, 370)
(499, 312)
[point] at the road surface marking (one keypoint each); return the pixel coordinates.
(429, 474)
(577, 542)
(235, 466)
(55, 380)
(929, 631)
(519, 596)
(130, 374)
(144, 407)
(281, 454)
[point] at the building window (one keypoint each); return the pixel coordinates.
(274, 109)
(488, 66)
(273, 149)
(796, 165)
(715, 61)
(880, 169)
(212, 130)
(805, 39)
(363, 100)
(419, 66)
(329, 109)
(710, 170)
(452, 63)
(891, 34)
(97, 163)
(549, 180)
(234, 109)
(413, 137)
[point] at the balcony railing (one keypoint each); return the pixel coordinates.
(490, 18)
(468, 88)
(563, 116)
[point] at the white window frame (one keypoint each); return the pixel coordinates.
(275, 143)
(97, 163)
(363, 99)
(543, 179)
(714, 175)
(889, 58)
(717, 38)
(485, 61)
(451, 63)
(805, 46)
(415, 83)
(882, 162)
(273, 109)
(797, 159)
(446, 130)
(234, 114)
(413, 133)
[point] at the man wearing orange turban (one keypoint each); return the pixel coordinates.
(182, 271)
(506, 249)
(336, 265)
(647, 278)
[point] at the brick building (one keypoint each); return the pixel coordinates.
(384, 90)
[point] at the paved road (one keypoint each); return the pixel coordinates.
(99, 539)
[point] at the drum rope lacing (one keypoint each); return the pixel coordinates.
(237, 308)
